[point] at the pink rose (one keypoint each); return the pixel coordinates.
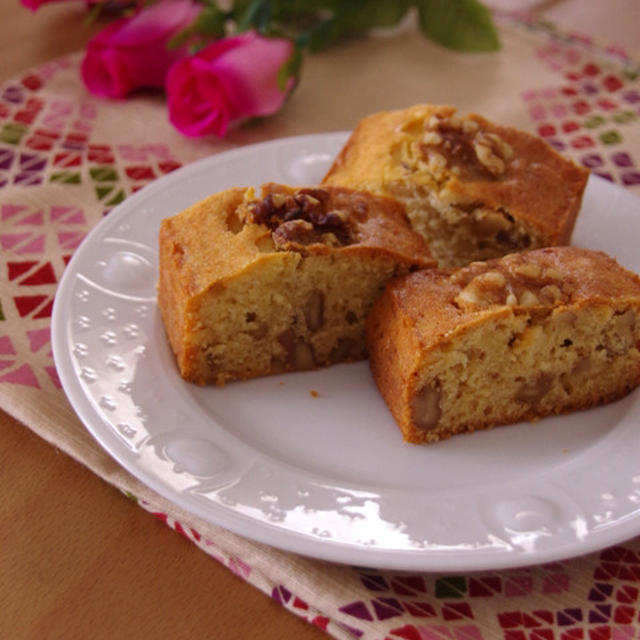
(132, 52)
(232, 79)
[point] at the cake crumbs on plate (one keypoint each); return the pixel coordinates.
(314, 393)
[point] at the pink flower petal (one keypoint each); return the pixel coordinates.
(105, 75)
(196, 108)
(133, 52)
(252, 72)
(157, 22)
(232, 79)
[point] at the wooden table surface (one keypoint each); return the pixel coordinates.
(146, 581)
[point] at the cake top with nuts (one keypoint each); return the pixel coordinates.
(315, 220)
(463, 160)
(463, 146)
(235, 229)
(517, 281)
(301, 218)
(533, 282)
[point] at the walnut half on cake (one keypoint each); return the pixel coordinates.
(529, 335)
(475, 189)
(250, 286)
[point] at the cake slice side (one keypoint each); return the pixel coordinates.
(535, 334)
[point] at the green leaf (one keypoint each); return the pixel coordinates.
(99, 10)
(257, 16)
(303, 6)
(209, 23)
(464, 25)
(238, 6)
(382, 13)
(337, 25)
(291, 68)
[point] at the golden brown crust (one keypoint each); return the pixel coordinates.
(432, 299)
(468, 162)
(424, 313)
(190, 242)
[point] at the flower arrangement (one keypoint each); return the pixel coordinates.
(222, 62)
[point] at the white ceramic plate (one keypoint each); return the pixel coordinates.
(329, 476)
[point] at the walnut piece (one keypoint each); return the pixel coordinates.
(528, 270)
(532, 391)
(298, 353)
(425, 407)
(482, 291)
(314, 310)
(516, 283)
(460, 143)
(528, 299)
(301, 218)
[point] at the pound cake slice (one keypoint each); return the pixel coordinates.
(476, 190)
(250, 286)
(529, 335)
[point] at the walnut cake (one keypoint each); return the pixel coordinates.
(474, 189)
(255, 285)
(531, 334)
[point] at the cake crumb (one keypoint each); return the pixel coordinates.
(314, 393)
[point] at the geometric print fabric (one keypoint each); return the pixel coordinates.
(46, 141)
